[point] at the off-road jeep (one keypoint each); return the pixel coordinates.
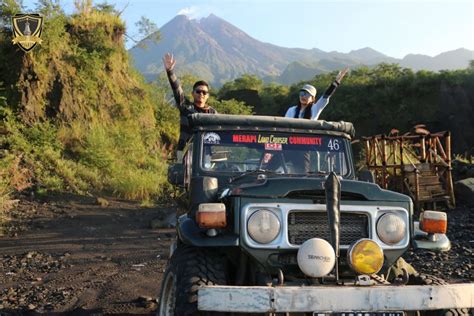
(277, 222)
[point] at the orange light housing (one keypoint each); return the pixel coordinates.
(211, 215)
(434, 222)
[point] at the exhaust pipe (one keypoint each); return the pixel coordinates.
(333, 198)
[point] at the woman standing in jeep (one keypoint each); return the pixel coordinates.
(307, 106)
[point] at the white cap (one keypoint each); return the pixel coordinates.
(310, 89)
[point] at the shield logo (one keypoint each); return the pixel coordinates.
(27, 30)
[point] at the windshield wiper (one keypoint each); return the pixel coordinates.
(246, 173)
(319, 173)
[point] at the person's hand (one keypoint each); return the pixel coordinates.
(341, 74)
(169, 61)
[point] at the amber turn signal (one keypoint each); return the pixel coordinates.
(434, 222)
(211, 215)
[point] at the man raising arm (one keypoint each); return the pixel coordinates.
(199, 104)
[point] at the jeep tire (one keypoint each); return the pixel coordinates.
(187, 270)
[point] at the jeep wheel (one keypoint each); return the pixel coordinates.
(188, 269)
(426, 279)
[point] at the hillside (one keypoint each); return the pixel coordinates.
(75, 116)
(218, 51)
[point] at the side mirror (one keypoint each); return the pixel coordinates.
(367, 176)
(176, 174)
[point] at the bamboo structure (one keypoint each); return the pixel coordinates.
(417, 164)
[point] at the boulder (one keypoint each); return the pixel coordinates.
(464, 190)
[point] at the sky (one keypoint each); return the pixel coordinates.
(393, 27)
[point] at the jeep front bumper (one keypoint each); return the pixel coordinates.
(323, 299)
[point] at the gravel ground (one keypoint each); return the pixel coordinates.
(73, 255)
(82, 256)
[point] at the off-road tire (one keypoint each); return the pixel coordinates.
(427, 279)
(188, 269)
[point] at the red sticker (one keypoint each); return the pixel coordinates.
(269, 146)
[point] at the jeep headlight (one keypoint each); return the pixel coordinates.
(391, 228)
(263, 226)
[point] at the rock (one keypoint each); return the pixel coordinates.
(30, 255)
(144, 298)
(102, 202)
(464, 190)
(31, 307)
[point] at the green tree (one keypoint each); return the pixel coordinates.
(148, 32)
(8, 8)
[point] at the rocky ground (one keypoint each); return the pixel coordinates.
(82, 256)
(70, 254)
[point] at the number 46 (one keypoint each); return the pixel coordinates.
(333, 144)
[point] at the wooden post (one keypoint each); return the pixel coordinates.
(384, 162)
(367, 153)
(417, 189)
(449, 178)
(440, 149)
(401, 164)
(422, 149)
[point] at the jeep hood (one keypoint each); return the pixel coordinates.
(308, 187)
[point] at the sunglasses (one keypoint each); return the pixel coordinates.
(203, 92)
(304, 93)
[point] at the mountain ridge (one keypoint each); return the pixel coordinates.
(218, 51)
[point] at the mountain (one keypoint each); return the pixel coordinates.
(217, 51)
(455, 59)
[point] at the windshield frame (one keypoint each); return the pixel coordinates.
(342, 136)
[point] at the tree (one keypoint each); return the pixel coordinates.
(148, 32)
(8, 8)
(246, 82)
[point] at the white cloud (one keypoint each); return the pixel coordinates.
(195, 12)
(191, 12)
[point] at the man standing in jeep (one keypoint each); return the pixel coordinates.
(198, 105)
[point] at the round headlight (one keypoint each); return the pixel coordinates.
(263, 226)
(365, 256)
(391, 228)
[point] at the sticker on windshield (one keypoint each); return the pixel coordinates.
(270, 146)
(334, 145)
(211, 138)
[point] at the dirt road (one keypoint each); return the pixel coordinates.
(80, 257)
(77, 257)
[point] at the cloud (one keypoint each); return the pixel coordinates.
(191, 12)
(194, 12)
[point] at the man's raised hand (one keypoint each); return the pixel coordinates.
(169, 61)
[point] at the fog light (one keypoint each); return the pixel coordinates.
(316, 257)
(365, 256)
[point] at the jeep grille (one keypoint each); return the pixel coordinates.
(305, 225)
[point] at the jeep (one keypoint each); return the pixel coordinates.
(278, 222)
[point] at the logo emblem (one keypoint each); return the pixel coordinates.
(27, 30)
(212, 138)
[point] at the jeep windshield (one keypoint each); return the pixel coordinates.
(282, 153)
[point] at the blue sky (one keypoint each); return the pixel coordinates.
(392, 27)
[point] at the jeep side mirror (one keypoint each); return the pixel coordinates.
(367, 176)
(176, 174)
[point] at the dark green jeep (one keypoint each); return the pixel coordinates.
(278, 223)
